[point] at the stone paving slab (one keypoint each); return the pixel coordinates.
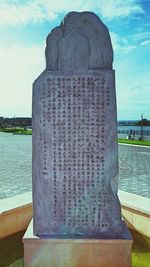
(15, 164)
(16, 177)
(134, 169)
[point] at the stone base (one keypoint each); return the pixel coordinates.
(75, 252)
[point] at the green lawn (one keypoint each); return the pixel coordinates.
(18, 263)
(140, 250)
(140, 257)
(16, 131)
(134, 142)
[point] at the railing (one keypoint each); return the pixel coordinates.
(134, 132)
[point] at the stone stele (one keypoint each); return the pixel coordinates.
(75, 153)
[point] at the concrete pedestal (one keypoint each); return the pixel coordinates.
(75, 252)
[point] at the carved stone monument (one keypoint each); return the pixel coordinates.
(75, 154)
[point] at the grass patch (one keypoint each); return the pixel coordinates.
(134, 142)
(141, 250)
(26, 132)
(18, 263)
(16, 131)
(140, 256)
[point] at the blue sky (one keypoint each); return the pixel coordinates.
(24, 26)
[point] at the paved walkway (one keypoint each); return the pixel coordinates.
(15, 178)
(134, 173)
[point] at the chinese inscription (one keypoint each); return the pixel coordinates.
(75, 109)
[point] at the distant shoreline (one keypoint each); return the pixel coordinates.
(20, 131)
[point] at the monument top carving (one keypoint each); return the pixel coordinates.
(81, 42)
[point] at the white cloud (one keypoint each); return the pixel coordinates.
(15, 14)
(140, 36)
(132, 85)
(19, 67)
(18, 12)
(120, 44)
(147, 42)
(118, 8)
(132, 103)
(128, 48)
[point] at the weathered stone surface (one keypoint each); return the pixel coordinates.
(75, 157)
(86, 34)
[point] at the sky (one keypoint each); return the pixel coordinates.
(24, 26)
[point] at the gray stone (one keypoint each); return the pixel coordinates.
(75, 153)
(86, 35)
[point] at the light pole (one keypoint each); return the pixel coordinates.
(142, 127)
